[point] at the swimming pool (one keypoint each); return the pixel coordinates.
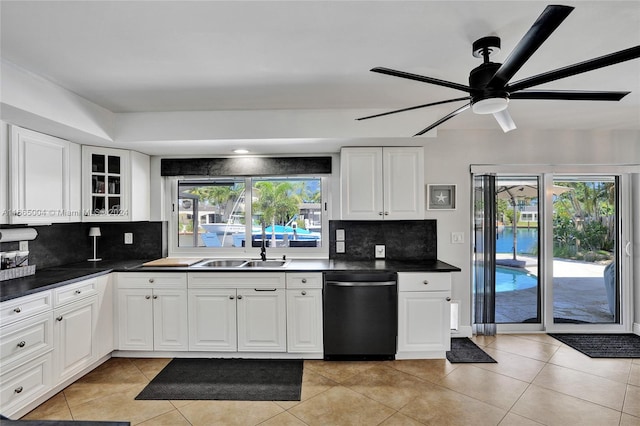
(509, 279)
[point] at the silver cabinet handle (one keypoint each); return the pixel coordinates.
(448, 299)
(18, 389)
(231, 297)
(304, 281)
(239, 297)
(264, 289)
(425, 282)
(386, 213)
(77, 292)
(17, 310)
(21, 344)
(151, 280)
(147, 297)
(59, 318)
(379, 213)
(304, 293)
(155, 296)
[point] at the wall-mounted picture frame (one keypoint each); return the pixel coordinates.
(441, 197)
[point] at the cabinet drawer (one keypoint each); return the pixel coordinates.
(422, 281)
(75, 291)
(152, 280)
(26, 339)
(24, 384)
(304, 280)
(22, 307)
(236, 280)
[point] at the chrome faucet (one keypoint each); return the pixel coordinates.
(263, 252)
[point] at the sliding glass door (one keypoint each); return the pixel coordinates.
(555, 260)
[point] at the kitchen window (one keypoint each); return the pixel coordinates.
(236, 214)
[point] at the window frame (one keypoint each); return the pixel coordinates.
(243, 252)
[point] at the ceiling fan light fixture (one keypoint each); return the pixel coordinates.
(490, 105)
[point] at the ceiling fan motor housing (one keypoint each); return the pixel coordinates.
(478, 79)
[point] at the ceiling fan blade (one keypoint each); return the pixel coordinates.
(569, 95)
(466, 98)
(443, 119)
(504, 120)
(550, 19)
(422, 78)
(579, 68)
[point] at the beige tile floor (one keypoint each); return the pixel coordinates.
(537, 380)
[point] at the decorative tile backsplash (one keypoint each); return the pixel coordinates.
(403, 239)
(65, 243)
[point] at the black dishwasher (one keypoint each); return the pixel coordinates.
(360, 315)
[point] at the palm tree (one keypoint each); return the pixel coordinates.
(276, 202)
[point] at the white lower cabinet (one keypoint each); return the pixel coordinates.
(23, 385)
(237, 312)
(74, 338)
(152, 312)
(423, 315)
(304, 313)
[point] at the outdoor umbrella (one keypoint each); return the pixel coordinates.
(513, 190)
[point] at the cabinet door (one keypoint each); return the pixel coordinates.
(262, 323)
(424, 321)
(41, 168)
(75, 344)
(170, 330)
(212, 320)
(304, 320)
(104, 329)
(105, 175)
(403, 173)
(361, 183)
(135, 319)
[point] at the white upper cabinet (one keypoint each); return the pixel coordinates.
(382, 183)
(4, 173)
(115, 185)
(44, 178)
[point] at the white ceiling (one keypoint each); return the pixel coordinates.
(151, 56)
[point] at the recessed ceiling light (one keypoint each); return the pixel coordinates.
(241, 151)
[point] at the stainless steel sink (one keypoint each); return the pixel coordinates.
(265, 264)
(220, 263)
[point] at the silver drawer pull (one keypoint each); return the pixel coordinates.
(425, 282)
(231, 297)
(304, 293)
(17, 310)
(151, 280)
(304, 281)
(77, 292)
(147, 297)
(448, 299)
(155, 296)
(239, 297)
(18, 389)
(265, 289)
(22, 344)
(60, 318)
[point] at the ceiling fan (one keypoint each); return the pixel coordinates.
(489, 89)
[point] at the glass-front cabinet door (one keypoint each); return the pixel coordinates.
(105, 180)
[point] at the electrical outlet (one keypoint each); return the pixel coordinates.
(339, 234)
(24, 246)
(380, 251)
(128, 237)
(340, 247)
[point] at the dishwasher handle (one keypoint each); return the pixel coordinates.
(360, 283)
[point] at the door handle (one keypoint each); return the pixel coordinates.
(264, 289)
(627, 248)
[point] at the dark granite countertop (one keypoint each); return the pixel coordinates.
(49, 278)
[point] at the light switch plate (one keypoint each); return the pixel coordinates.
(23, 246)
(339, 234)
(339, 246)
(128, 237)
(380, 251)
(457, 238)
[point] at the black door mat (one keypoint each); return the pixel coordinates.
(602, 345)
(227, 379)
(463, 350)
